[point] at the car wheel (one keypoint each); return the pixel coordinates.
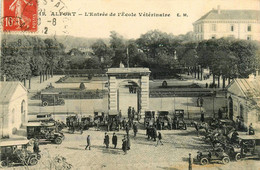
(238, 157)
(39, 156)
(33, 161)
(225, 160)
(58, 140)
(204, 161)
(3, 163)
(45, 103)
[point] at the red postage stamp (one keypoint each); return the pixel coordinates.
(20, 15)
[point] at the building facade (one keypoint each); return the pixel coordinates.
(243, 100)
(13, 108)
(239, 24)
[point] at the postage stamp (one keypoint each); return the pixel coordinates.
(20, 15)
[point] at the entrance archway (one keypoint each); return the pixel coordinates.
(230, 109)
(138, 76)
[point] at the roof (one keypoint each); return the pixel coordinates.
(39, 124)
(249, 87)
(231, 15)
(7, 90)
(127, 70)
(14, 142)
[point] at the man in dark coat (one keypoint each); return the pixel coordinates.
(128, 142)
(106, 140)
(114, 140)
(154, 130)
(124, 145)
(127, 129)
(88, 142)
(135, 129)
(36, 146)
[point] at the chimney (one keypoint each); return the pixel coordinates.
(218, 9)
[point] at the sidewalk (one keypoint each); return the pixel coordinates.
(36, 86)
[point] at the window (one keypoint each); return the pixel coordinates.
(249, 28)
(213, 27)
(232, 28)
(249, 37)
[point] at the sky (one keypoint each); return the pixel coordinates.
(130, 27)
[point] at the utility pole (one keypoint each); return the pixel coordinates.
(127, 55)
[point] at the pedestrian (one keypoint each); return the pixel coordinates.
(114, 140)
(135, 129)
(202, 116)
(129, 112)
(148, 132)
(124, 145)
(127, 129)
(133, 113)
(154, 133)
(128, 142)
(159, 139)
(36, 146)
(88, 143)
(251, 129)
(123, 123)
(106, 140)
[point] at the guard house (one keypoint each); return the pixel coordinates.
(138, 76)
(243, 97)
(13, 107)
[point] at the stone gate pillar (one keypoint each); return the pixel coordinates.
(144, 93)
(112, 92)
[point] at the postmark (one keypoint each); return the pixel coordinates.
(20, 15)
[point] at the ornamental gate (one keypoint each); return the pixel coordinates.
(139, 76)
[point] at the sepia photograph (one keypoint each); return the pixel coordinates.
(120, 84)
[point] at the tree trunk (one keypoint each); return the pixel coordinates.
(201, 73)
(43, 75)
(198, 72)
(30, 83)
(195, 72)
(214, 82)
(224, 82)
(40, 77)
(46, 76)
(228, 80)
(24, 82)
(218, 81)
(51, 72)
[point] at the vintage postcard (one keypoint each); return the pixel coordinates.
(140, 84)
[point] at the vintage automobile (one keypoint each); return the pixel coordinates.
(14, 152)
(233, 150)
(100, 118)
(51, 98)
(113, 121)
(149, 119)
(250, 146)
(178, 120)
(87, 122)
(46, 131)
(41, 117)
(213, 155)
(74, 123)
(163, 121)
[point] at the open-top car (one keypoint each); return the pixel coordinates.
(46, 131)
(149, 118)
(163, 121)
(14, 152)
(51, 98)
(213, 155)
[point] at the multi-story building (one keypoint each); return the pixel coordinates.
(217, 23)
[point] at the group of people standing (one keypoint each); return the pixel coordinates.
(151, 132)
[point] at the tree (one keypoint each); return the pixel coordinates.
(117, 46)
